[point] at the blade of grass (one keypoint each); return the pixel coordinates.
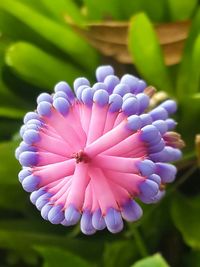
(37, 67)
(146, 51)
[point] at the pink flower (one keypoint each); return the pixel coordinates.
(88, 157)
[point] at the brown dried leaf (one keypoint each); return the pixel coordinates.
(110, 38)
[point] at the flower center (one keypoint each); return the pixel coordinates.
(81, 156)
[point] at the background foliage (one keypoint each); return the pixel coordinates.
(39, 47)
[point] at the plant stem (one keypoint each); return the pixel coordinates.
(139, 241)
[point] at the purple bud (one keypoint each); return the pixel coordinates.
(131, 81)
(62, 105)
(42, 200)
(146, 119)
(166, 171)
(45, 211)
(101, 97)
(87, 96)
(147, 167)
(44, 108)
(141, 85)
(98, 86)
(64, 87)
(56, 214)
(159, 113)
(98, 220)
(86, 223)
(31, 137)
(28, 159)
(79, 82)
(171, 124)
(149, 133)
(170, 106)
(111, 81)
(115, 102)
(121, 89)
(131, 211)
(161, 126)
(23, 174)
(103, 71)
(156, 178)
(44, 97)
(30, 183)
(148, 188)
(36, 194)
(130, 106)
(143, 101)
(134, 123)
(72, 215)
(30, 116)
(113, 220)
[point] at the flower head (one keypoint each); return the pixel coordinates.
(89, 156)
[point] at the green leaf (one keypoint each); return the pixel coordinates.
(193, 86)
(16, 199)
(153, 261)
(62, 37)
(37, 67)
(54, 257)
(186, 71)
(146, 51)
(186, 216)
(13, 113)
(9, 166)
(12, 237)
(129, 8)
(181, 9)
(64, 9)
(97, 10)
(123, 253)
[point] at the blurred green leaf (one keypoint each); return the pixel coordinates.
(193, 86)
(192, 259)
(9, 166)
(186, 216)
(64, 9)
(181, 9)
(123, 253)
(145, 49)
(186, 71)
(129, 8)
(13, 113)
(62, 37)
(37, 67)
(153, 261)
(10, 236)
(12, 197)
(54, 257)
(97, 10)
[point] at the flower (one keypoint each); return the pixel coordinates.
(88, 156)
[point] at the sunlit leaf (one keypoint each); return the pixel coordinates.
(186, 216)
(61, 36)
(64, 10)
(54, 257)
(145, 49)
(181, 9)
(37, 67)
(153, 261)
